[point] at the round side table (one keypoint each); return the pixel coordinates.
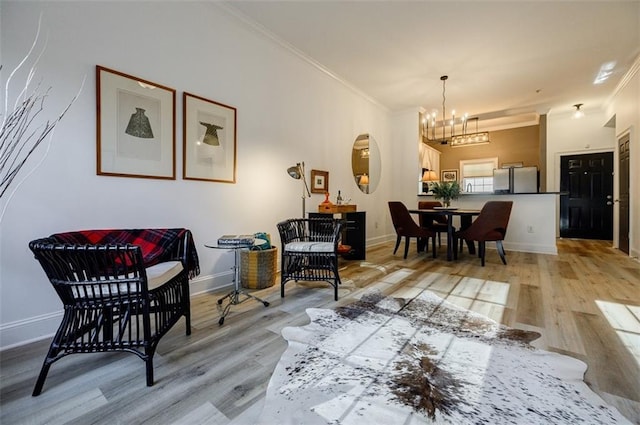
(233, 297)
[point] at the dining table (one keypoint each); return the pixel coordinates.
(466, 217)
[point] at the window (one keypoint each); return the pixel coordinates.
(478, 184)
(476, 175)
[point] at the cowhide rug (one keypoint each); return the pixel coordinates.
(421, 361)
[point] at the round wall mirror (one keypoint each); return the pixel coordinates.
(365, 163)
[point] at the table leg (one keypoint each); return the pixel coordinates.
(450, 246)
(236, 271)
(234, 296)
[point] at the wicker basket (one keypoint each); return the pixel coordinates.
(258, 268)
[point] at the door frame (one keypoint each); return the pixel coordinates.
(627, 132)
(557, 157)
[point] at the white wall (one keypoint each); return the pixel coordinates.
(625, 107)
(589, 134)
(406, 160)
(530, 227)
(288, 111)
(566, 135)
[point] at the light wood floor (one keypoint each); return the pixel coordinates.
(585, 302)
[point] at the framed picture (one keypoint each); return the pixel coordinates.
(209, 140)
(449, 175)
(136, 122)
(319, 181)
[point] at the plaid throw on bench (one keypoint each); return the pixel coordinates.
(155, 244)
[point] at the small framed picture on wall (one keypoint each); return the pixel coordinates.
(449, 175)
(319, 181)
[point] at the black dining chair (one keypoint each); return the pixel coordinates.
(406, 227)
(491, 225)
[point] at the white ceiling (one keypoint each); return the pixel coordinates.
(503, 58)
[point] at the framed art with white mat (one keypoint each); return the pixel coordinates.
(135, 126)
(209, 140)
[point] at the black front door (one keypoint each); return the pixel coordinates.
(586, 212)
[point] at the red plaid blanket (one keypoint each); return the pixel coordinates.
(155, 244)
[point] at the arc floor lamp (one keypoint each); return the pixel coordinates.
(297, 172)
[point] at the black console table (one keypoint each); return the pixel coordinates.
(353, 234)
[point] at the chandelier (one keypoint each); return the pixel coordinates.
(448, 130)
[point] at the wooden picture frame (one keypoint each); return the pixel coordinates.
(319, 181)
(209, 140)
(449, 175)
(136, 121)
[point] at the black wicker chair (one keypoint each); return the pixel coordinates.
(310, 251)
(112, 300)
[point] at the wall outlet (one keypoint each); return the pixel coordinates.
(529, 229)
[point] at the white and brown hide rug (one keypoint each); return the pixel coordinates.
(391, 361)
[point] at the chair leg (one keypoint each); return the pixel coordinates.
(397, 244)
(336, 280)
(481, 251)
(149, 366)
(470, 246)
(433, 245)
(501, 252)
(187, 306)
(439, 239)
(406, 246)
(52, 353)
(41, 377)
(187, 319)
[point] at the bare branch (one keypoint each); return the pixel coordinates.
(22, 131)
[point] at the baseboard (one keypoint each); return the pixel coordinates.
(210, 283)
(533, 248)
(29, 330)
(32, 329)
(379, 240)
(523, 247)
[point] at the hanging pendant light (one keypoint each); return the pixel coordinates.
(434, 131)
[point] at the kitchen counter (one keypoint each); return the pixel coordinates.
(502, 194)
(533, 225)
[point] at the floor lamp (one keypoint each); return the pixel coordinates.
(297, 172)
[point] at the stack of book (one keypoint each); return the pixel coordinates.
(236, 240)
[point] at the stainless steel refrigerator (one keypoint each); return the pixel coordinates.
(516, 180)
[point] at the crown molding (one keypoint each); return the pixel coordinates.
(261, 30)
(625, 80)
